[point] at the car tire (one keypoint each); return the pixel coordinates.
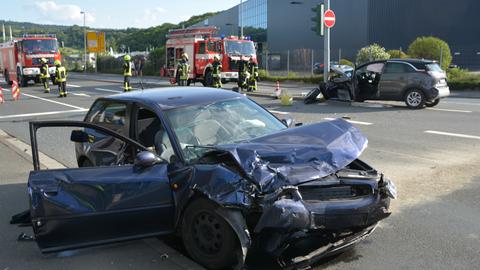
(207, 237)
(432, 103)
(415, 98)
(311, 97)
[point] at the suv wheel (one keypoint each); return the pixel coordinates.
(415, 99)
(433, 103)
(209, 78)
(207, 237)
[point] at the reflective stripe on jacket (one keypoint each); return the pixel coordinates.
(127, 69)
(61, 74)
(44, 71)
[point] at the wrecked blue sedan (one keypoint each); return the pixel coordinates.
(213, 167)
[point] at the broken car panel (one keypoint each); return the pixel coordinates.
(235, 179)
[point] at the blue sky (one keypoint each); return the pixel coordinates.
(109, 14)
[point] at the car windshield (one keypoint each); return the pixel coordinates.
(239, 48)
(40, 45)
(434, 67)
(200, 127)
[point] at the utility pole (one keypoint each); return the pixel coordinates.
(84, 42)
(326, 47)
(3, 31)
(241, 18)
(11, 35)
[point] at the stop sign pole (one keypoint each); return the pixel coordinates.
(326, 45)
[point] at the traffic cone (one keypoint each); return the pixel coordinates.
(2, 99)
(15, 91)
(277, 92)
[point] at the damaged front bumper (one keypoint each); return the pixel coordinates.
(307, 223)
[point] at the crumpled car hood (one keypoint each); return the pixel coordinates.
(297, 155)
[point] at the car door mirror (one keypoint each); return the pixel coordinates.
(79, 136)
(288, 122)
(146, 159)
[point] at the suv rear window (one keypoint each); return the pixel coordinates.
(398, 68)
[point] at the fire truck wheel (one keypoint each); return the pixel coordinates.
(7, 78)
(189, 82)
(20, 79)
(209, 78)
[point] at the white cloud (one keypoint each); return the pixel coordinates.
(63, 13)
(150, 17)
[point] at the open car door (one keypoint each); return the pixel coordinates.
(80, 207)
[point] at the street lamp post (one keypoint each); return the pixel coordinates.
(84, 42)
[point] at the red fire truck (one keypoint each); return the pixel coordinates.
(201, 46)
(20, 57)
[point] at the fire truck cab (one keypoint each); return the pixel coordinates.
(201, 46)
(20, 57)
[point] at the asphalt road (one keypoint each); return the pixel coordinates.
(432, 155)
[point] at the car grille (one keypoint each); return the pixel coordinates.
(317, 193)
(36, 61)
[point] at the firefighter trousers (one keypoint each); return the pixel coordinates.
(126, 84)
(46, 87)
(62, 89)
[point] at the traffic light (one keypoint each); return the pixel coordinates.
(318, 19)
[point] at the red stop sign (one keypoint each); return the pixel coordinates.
(329, 18)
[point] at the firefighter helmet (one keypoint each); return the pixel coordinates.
(215, 57)
(43, 60)
(57, 63)
(185, 55)
(127, 57)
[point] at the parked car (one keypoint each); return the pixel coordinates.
(418, 82)
(214, 167)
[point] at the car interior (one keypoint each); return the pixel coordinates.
(151, 134)
(368, 78)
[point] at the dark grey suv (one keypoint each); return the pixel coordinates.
(418, 82)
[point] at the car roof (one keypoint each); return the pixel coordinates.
(175, 97)
(412, 60)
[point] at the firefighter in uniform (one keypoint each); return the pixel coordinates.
(242, 74)
(217, 70)
(61, 78)
(127, 73)
(44, 75)
(252, 80)
(183, 69)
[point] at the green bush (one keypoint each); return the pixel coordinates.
(346, 62)
(397, 54)
(371, 53)
(431, 48)
(109, 64)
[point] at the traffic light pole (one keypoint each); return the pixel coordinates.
(326, 46)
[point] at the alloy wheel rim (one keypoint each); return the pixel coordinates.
(414, 98)
(206, 232)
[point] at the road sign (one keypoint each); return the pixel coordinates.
(96, 41)
(329, 18)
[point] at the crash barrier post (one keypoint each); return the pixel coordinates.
(286, 99)
(15, 91)
(277, 91)
(2, 99)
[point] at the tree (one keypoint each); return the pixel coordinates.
(431, 48)
(397, 54)
(371, 53)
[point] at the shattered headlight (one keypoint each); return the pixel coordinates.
(390, 189)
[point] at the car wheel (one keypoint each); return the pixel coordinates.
(207, 237)
(415, 99)
(432, 103)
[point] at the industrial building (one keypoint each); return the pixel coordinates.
(281, 26)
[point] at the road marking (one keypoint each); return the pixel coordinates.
(279, 112)
(22, 147)
(461, 103)
(73, 85)
(402, 154)
(80, 94)
(453, 134)
(448, 110)
(133, 88)
(108, 90)
(49, 100)
(40, 114)
(350, 121)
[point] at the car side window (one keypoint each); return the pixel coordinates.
(111, 115)
(397, 68)
(152, 134)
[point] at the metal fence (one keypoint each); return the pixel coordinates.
(298, 62)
